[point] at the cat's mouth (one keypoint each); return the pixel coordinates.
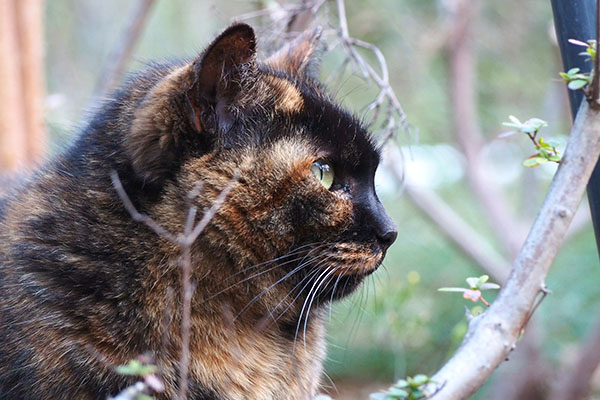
(354, 259)
(343, 267)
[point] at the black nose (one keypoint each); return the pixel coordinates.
(386, 239)
(381, 224)
(385, 229)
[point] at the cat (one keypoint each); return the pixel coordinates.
(84, 287)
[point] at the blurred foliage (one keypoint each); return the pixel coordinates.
(398, 325)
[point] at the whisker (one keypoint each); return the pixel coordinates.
(305, 302)
(313, 298)
(333, 293)
(258, 274)
(316, 284)
(291, 253)
(308, 276)
(289, 274)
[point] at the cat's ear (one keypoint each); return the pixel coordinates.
(219, 73)
(299, 57)
(192, 105)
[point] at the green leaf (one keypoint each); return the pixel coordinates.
(573, 71)
(512, 125)
(536, 122)
(555, 158)
(488, 286)
(514, 119)
(482, 279)
(577, 84)
(420, 379)
(472, 282)
(397, 392)
(417, 394)
(545, 145)
(477, 310)
(378, 396)
(534, 161)
(527, 129)
(451, 289)
(585, 77)
(136, 368)
(553, 143)
(402, 383)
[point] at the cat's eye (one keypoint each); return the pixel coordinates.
(324, 173)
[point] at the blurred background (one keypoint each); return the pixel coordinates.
(461, 199)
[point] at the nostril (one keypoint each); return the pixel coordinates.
(388, 238)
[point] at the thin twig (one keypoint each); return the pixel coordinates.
(462, 70)
(193, 235)
(137, 216)
(120, 54)
(395, 115)
(185, 242)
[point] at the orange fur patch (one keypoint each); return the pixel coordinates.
(289, 97)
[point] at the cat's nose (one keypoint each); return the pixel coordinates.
(385, 229)
(377, 219)
(386, 239)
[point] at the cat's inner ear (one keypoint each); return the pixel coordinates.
(299, 57)
(219, 73)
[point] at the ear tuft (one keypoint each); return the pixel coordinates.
(299, 57)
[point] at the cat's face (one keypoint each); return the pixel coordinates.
(304, 209)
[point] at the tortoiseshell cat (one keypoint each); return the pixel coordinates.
(84, 287)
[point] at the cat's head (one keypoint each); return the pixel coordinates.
(305, 195)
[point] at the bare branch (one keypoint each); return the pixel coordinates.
(300, 21)
(509, 232)
(185, 241)
(187, 288)
(492, 335)
(137, 216)
(193, 234)
(286, 20)
(395, 115)
(120, 54)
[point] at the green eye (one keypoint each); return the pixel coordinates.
(323, 172)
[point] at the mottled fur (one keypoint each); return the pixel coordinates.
(83, 287)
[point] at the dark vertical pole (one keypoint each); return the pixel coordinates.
(576, 20)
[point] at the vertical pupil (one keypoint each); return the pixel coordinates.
(321, 170)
